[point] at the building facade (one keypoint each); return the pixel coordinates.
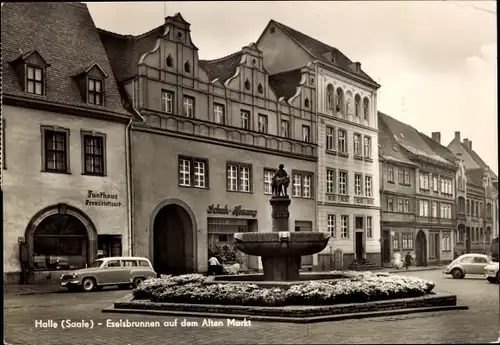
(348, 173)
(65, 163)
(212, 134)
(434, 171)
(481, 226)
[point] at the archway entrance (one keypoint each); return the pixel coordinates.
(421, 249)
(173, 240)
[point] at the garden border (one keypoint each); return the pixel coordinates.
(297, 314)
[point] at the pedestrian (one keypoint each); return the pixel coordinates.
(214, 266)
(397, 263)
(408, 260)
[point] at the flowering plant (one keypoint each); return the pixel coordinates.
(357, 287)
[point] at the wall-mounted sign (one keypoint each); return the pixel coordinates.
(102, 199)
(236, 211)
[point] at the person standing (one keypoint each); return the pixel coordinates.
(408, 260)
(397, 261)
(214, 266)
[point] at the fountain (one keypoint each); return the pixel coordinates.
(281, 250)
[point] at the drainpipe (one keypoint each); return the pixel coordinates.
(317, 152)
(128, 157)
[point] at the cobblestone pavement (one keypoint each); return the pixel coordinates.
(478, 324)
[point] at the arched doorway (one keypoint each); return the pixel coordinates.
(421, 249)
(60, 237)
(173, 238)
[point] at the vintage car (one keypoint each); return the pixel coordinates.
(491, 273)
(121, 271)
(467, 264)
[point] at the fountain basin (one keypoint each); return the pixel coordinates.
(276, 244)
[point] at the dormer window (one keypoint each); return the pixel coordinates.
(34, 80)
(31, 69)
(95, 93)
(91, 83)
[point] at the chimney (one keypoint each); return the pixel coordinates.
(457, 136)
(436, 136)
(468, 144)
(358, 67)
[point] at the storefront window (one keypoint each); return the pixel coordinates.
(109, 245)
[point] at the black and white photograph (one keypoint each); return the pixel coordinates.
(249, 172)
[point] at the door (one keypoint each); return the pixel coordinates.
(386, 246)
(467, 241)
(437, 247)
(468, 264)
(421, 249)
(478, 265)
(111, 273)
(359, 245)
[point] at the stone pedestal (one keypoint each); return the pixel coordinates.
(281, 268)
(280, 214)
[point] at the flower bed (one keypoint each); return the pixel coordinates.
(355, 288)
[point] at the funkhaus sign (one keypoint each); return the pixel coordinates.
(236, 211)
(95, 198)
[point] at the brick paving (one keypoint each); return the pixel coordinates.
(478, 324)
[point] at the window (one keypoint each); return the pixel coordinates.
(247, 85)
(170, 61)
(368, 186)
(424, 181)
(285, 128)
(368, 147)
(473, 209)
(114, 263)
(480, 214)
(329, 97)
(188, 106)
(342, 145)
(56, 149)
(395, 241)
(369, 227)
(262, 122)
(357, 144)
(435, 183)
(306, 134)
(343, 182)
(390, 204)
(144, 263)
(239, 177)
(366, 109)
(34, 80)
(488, 210)
(306, 103)
(446, 187)
(390, 174)
(407, 241)
(466, 260)
(219, 114)
(268, 180)
(187, 67)
(94, 91)
(406, 206)
(424, 208)
(446, 242)
(331, 225)
(357, 184)
(468, 207)
(434, 209)
(260, 89)
(330, 181)
(167, 102)
(245, 119)
(477, 209)
(339, 106)
(129, 263)
(302, 184)
(93, 153)
(357, 106)
(193, 172)
(407, 177)
(400, 205)
(344, 226)
(401, 176)
(330, 137)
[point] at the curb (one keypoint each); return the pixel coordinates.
(27, 293)
(325, 318)
(408, 271)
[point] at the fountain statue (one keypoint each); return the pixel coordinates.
(281, 250)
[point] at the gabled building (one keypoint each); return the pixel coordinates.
(346, 104)
(213, 133)
(65, 165)
(433, 174)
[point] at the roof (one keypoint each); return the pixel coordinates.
(123, 258)
(65, 36)
(441, 150)
(223, 68)
(319, 50)
(285, 84)
(478, 159)
(388, 146)
(125, 51)
(411, 140)
(475, 176)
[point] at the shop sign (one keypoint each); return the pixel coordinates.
(237, 210)
(101, 199)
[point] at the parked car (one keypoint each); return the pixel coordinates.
(491, 273)
(121, 271)
(494, 249)
(467, 264)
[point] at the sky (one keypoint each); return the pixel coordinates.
(435, 60)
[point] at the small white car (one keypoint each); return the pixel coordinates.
(467, 264)
(491, 273)
(121, 270)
